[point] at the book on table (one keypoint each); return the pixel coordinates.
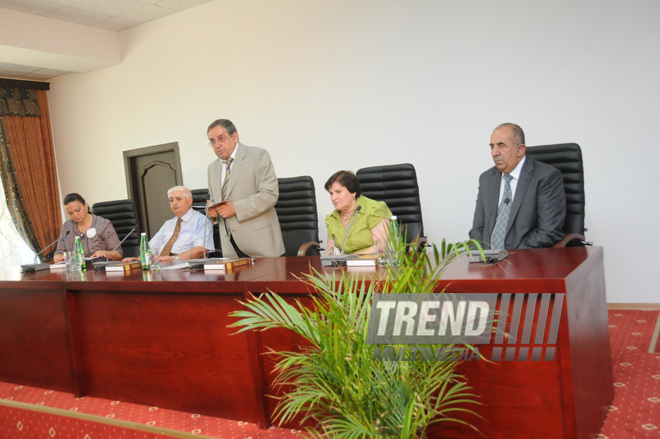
(362, 261)
(228, 265)
(125, 267)
(349, 260)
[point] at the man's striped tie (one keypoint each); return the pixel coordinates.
(224, 183)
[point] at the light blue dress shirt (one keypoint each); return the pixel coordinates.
(191, 234)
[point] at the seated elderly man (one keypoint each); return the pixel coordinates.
(521, 201)
(184, 236)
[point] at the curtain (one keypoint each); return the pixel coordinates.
(15, 204)
(28, 165)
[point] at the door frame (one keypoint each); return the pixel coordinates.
(130, 156)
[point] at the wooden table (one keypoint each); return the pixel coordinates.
(162, 339)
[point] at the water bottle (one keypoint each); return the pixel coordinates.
(78, 255)
(393, 243)
(145, 252)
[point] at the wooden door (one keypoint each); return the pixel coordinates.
(150, 172)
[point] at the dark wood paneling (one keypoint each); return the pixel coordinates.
(167, 350)
(34, 338)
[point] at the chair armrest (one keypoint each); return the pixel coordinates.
(302, 251)
(570, 237)
(419, 243)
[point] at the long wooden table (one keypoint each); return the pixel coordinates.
(162, 339)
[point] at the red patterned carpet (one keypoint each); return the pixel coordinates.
(28, 412)
(635, 411)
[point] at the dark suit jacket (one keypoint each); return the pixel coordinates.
(253, 188)
(537, 212)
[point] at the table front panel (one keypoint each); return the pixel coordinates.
(167, 350)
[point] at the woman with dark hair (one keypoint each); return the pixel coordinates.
(370, 219)
(97, 234)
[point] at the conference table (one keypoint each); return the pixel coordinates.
(162, 339)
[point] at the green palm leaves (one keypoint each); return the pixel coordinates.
(335, 380)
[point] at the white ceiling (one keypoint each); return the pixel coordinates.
(114, 15)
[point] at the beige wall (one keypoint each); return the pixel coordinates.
(326, 85)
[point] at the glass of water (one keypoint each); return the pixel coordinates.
(68, 261)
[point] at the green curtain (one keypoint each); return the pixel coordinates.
(16, 102)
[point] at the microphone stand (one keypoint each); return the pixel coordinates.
(100, 265)
(348, 230)
(36, 257)
(206, 215)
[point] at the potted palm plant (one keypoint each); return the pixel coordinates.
(335, 382)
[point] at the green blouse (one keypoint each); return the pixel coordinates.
(370, 215)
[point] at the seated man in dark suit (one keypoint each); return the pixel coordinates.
(521, 201)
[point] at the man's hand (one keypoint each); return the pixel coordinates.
(226, 210)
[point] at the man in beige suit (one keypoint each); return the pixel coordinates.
(243, 177)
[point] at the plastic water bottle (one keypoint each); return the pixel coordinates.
(393, 243)
(78, 255)
(145, 252)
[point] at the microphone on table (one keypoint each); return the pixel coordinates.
(102, 264)
(199, 263)
(29, 268)
(348, 230)
(50, 245)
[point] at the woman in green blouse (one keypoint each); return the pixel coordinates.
(371, 223)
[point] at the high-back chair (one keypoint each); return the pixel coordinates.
(199, 197)
(397, 186)
(567, 157)
(123, 216)
(296, 211)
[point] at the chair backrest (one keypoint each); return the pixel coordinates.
(567, 157)
(296, 211)
(199, 197)
(123, 216)
(397, 186)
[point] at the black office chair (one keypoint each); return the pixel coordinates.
(397, 186)
(123, 216)
(199, 197)
(296, 211)
(567, 157)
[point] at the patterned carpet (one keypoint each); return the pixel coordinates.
(28, 412)
(635, 411)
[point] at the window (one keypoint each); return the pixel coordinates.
(13, 250)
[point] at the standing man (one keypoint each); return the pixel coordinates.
(243, 177)
(521, 202)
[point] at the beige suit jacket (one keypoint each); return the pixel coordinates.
(253, 188)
